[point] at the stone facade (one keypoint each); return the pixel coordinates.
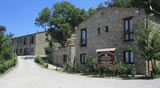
(63, 55)
(105, 29)
(32, 44)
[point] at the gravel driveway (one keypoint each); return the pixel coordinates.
(28, 74)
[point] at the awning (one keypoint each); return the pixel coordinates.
(107, 49)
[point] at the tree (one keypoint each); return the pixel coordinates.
(148, 43)
(6, 49)
(2, 29)
(91, 11)
(119, 3)
(7, 56)
(100, 5)
(61, 20)
(133, 3)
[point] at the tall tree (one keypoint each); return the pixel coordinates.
(134, 3)
(7, 56)
(148, 43)
(2, 29)
(91, 11)
(119, 3)
(61, 20)
(101, 5)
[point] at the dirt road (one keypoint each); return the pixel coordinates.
(28, 74)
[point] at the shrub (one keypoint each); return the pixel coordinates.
(121, 69)
(125, 69)
(7, 57)
(91, 64)
(131, 69)
(6, 64)
(2, 68)
(40, 61)
(46, 65)
(68, 67)
(78, 67)
(156, 71)
(107, 71)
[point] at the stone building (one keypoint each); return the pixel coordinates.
(63, 55)
(32, 44)
(112, 28)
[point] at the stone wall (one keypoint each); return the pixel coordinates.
(114, 38)
(35, 48)
(19, 46)
(57, 56)
(41, 43)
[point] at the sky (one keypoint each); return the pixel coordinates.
(18, 16)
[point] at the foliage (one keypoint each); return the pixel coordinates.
(40, 61)
(91, 11)
(6, 64)
(119, 3)
(48, 50)
(133, 3)
(91, 64)
(7, 57)
(147, 43)
(2, 29)
(78, 67)
(61, 20)
(125, 69)
(100, 5)
(68, 67)
(156, 71)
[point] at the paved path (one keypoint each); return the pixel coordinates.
(28, 74)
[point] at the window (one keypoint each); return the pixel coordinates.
(102, 13)
(17, 41)
(64, 58)
(128, 29)
(128, 57)
(99, 30)
(107, 29)
(32, 39)
(83, 37)
(31, 49)
(25, 41)
(16, 51)
(26, 51)
(46, 39)
(20, 50)
(82, 58)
